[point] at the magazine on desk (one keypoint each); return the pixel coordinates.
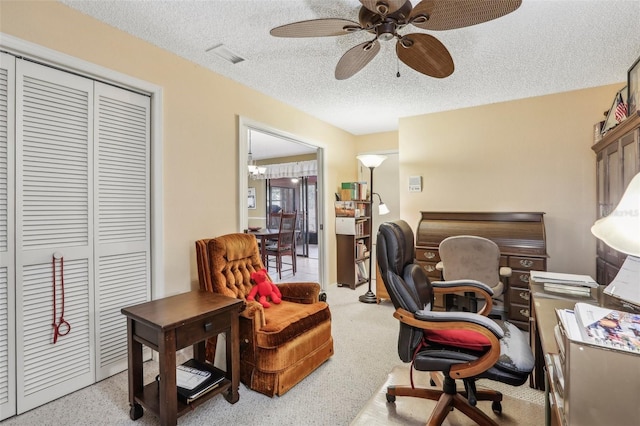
(609, 328)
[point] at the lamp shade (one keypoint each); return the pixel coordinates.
(620, 230)
(383, 209)
(371, 160)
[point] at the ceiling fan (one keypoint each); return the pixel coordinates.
(385, 18)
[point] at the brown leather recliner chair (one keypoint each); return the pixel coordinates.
(279, 345)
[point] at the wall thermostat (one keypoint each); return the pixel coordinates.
(415, 183)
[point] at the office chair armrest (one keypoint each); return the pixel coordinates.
(455, 286)
(430, 320)
(466, 317)
(505, 271)
(461, 286)
(303, 292)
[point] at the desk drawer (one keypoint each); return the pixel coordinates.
(427, 254)
(518, 296)
(430, 270)
(519, 279)
(527, 263)
(201, 329)
(519, 313)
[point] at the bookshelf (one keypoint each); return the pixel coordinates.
(353, 241)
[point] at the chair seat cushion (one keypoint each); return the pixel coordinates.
(513, 367)
(287, 320)
(465, 339)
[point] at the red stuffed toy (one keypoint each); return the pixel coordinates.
(264, 288)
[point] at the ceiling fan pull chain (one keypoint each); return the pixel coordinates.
(398, 66)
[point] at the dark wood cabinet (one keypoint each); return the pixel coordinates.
(353, 246)
(617, 162)
(520, 237)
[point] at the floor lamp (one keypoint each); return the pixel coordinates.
(370, 161)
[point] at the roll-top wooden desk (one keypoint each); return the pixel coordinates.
(520, 236)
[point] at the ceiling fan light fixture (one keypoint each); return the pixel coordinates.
(386, 31)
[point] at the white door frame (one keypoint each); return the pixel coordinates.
(245, 125)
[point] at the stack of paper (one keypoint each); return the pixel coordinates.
(563, 279)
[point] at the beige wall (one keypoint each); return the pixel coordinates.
(377, 142)
(201, 111)
(526, 155)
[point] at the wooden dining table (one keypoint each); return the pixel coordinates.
(265, 234)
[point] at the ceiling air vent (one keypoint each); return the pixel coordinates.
(226, 54)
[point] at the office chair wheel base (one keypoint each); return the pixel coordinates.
(496, 406)
(136, 411)
(391, 398)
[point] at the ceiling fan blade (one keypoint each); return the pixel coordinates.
(383, 7)
(356, 58)
(449, 15)
(317, 28)
(425, 54)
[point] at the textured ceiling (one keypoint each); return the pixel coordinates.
(546, 46)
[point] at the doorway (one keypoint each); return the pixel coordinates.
(297, 194)
(287, 175)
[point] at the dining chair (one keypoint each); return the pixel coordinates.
(285, 245)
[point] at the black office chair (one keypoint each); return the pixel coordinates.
(453, 345)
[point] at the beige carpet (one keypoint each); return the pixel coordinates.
(521, 405)
(365, 353)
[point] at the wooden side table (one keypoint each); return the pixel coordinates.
(167, 325)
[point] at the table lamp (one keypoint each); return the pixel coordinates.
(620, 230)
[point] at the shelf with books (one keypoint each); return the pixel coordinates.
(353, 191)
(353, 237)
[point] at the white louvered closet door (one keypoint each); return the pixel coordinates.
(54, 187)
(7, 261)
(122, 218)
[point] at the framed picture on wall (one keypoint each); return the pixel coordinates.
(633, 84)
(251, 198)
